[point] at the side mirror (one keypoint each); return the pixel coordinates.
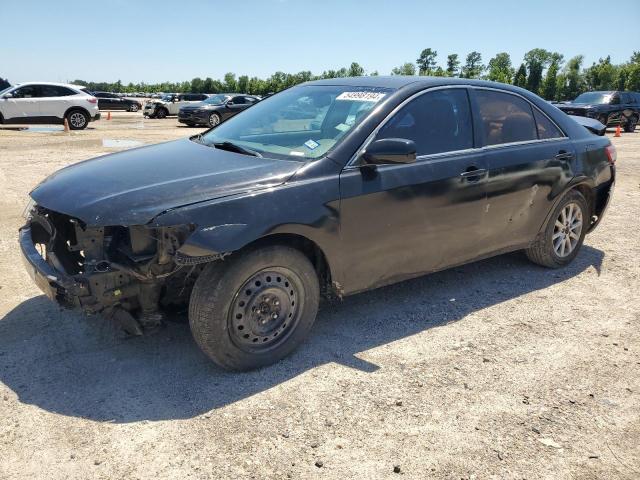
(7, 96)
(390, 151)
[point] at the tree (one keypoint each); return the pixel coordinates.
(500, 69)
(473, 67)
(243, 84)
(453, 65)
(355, 70)
(633, 78)
(197, 85)
(571, 82)
(601, 75)
(635, 57)
(536, 61)
(230, 84)
(520, 80)
(550, 84)
(404, 69)
(427, 61)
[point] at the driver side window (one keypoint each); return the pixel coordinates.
(28, 91)
(438, 121)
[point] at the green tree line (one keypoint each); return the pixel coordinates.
(541, 71)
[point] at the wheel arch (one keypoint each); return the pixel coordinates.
(585, 186)
(303, 244)
(74, 109)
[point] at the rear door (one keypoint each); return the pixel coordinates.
(403, 220)
(235, 105)
(55, 100)
(530, 160)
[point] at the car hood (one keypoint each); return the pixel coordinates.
(134, 186)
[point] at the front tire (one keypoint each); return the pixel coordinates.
(77, 120)
(161, 113)
(253, 310)
(564, 233)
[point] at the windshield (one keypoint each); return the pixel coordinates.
(300, 123)
(594, 97)
(167, 98)
(216, 99)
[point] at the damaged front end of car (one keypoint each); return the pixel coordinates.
(128, 273)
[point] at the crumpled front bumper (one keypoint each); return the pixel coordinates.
(56, 285)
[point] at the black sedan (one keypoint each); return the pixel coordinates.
(111, 101)
(215, 109)
(339, 185)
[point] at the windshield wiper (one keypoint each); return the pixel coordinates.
(233, 147)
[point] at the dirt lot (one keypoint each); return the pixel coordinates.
(498, 369)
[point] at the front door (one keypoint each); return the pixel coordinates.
(23, 104)
(399, 221)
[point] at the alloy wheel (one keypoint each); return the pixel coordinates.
(77, 120)
(567, 230)
(214, 119)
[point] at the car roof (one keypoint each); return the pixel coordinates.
(70, 85)
(400, 81)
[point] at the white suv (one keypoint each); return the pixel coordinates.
(170, 104)
(42, 102)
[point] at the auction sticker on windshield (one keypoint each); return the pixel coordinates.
(361, 96)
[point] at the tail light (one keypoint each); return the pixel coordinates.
(612, 154)
(92, 100)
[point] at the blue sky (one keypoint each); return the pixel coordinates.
(153, 41)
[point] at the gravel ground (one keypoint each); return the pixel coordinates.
(498, 369)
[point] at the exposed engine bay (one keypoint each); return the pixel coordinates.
(131, 274)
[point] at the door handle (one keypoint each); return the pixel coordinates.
(562, 155)
(473, 173)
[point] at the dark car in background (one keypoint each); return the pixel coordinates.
(382, 179)
(112, 101)
(610, 108)
(215, 109)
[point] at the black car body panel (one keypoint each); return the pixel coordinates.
(183, 203)
(109, 101)
(199, 114)
(132, 187)
(621, 108)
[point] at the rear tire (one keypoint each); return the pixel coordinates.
(254, 309)
(214, 120)
(561, 240)
(630, 126)
(134, 108)
(77, 120)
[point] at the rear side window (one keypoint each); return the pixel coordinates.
(505, 118)
(546, 128)
(239, 100)
(55, 91)
(437, 122)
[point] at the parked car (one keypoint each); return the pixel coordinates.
(609, 108)
(215, 109)
(171, 103)
(249, 222)
(112, 101)
(48, 103)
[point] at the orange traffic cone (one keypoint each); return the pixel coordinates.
(66, 125)
(618, 131)
(108, 115)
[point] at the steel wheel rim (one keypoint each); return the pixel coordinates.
(214, 119)
(265, 310)
(77, 119)
(567, 230)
